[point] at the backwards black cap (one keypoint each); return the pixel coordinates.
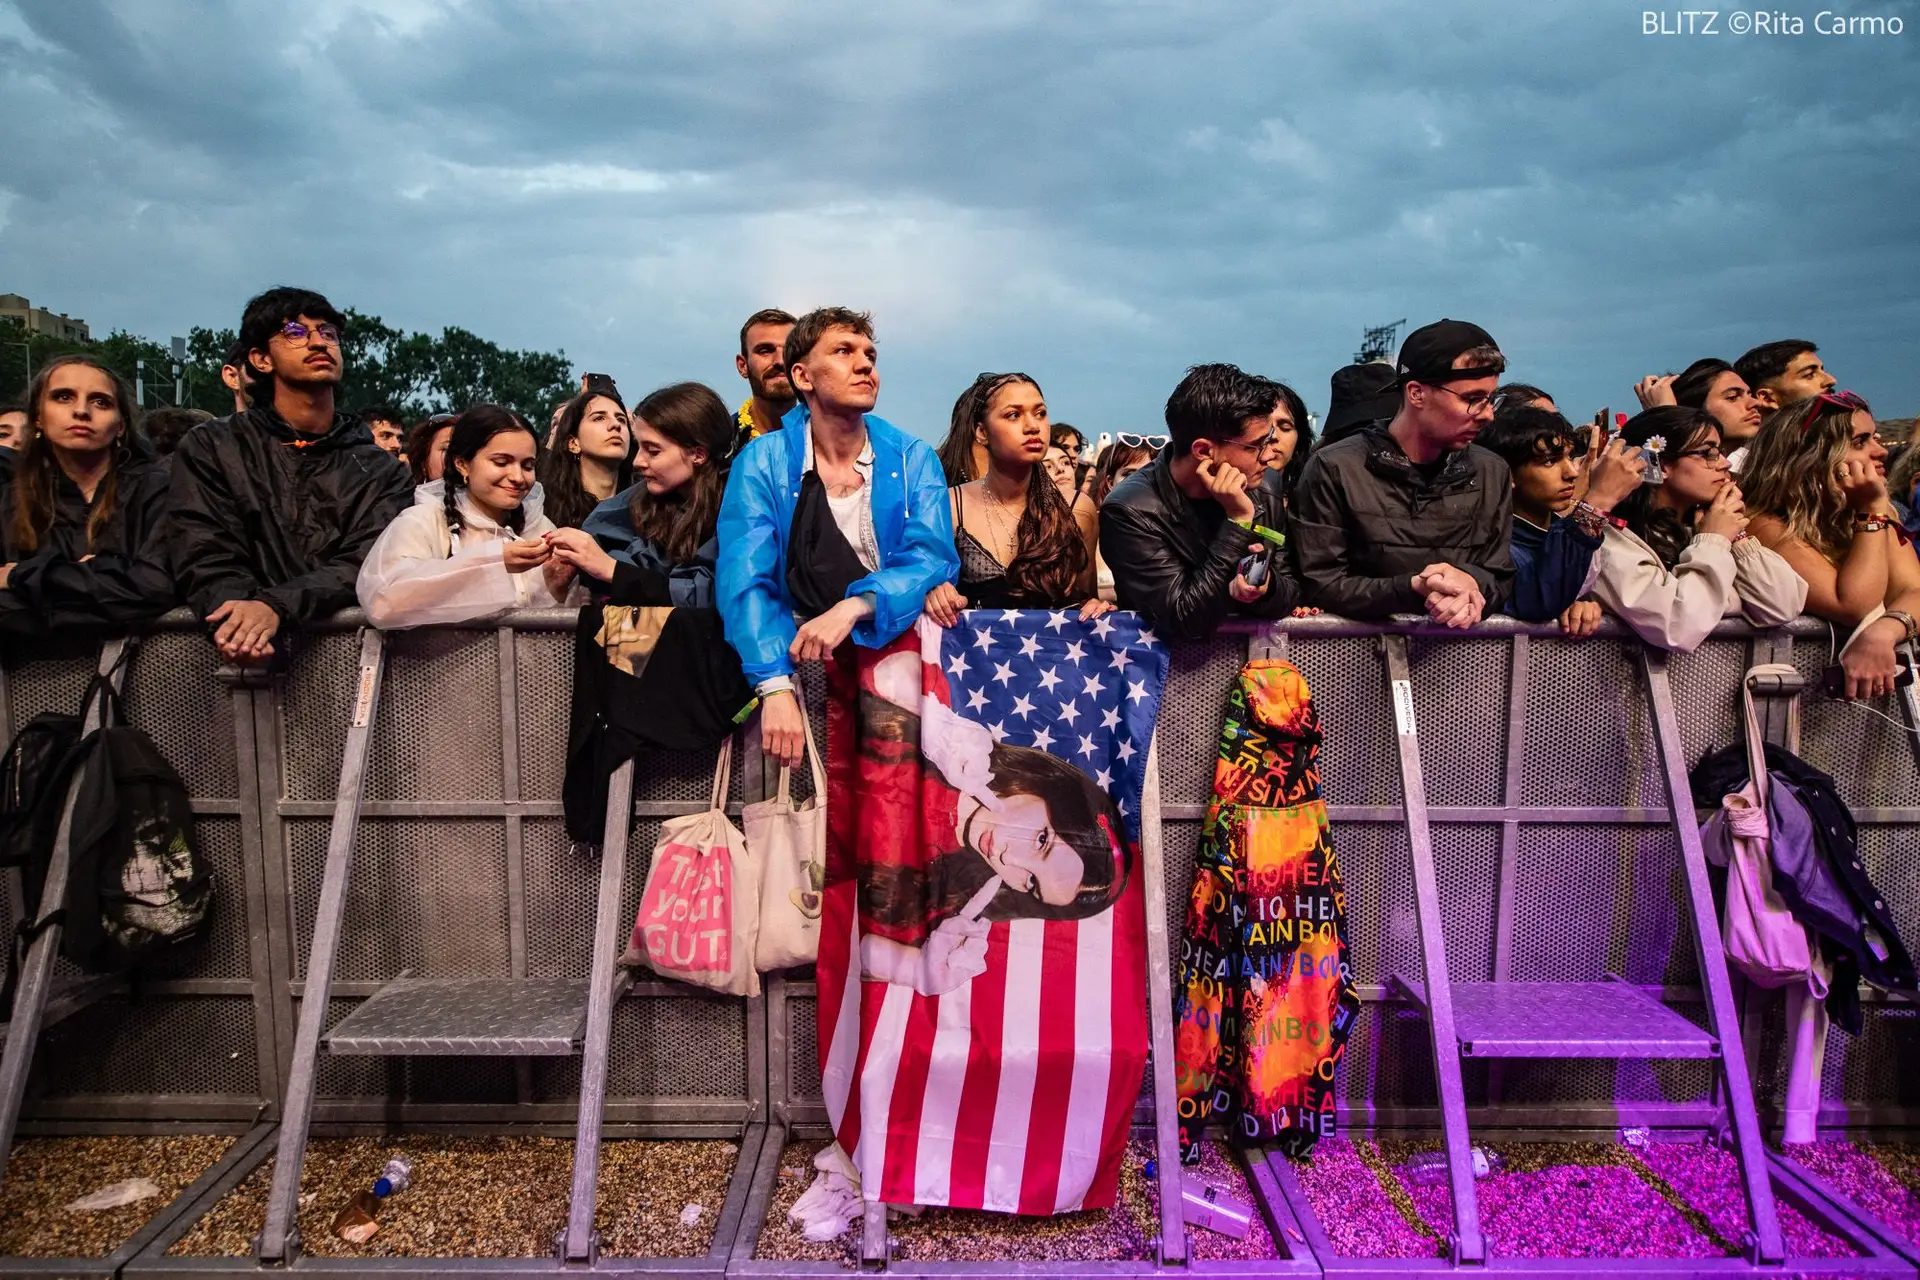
(1429, 352)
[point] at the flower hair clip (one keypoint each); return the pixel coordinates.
(1651, 450)
(1655, 444)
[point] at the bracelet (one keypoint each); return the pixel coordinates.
(1906, 620)
(1588, 518)
(1871, 524)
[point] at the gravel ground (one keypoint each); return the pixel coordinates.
(1123, 1233)
(1883, 1180)
(486, 1198)
(48, 1173)
(1670, 1201)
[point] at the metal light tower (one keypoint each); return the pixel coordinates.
(1379, 343)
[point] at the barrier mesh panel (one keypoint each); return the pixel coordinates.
(1706, 695)
(1191, 710)
(201, 1045)
(543, 693)
(53, 682)
(1871, 760)
(1360, 763)
(171, 693)
(429, 895)
(316, 702)
(438, 736)
(803, 1050)
(1594, 900)
(1460, 708)
(561, 883)
(1589, 738)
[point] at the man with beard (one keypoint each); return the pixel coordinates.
(275, 507)
(763, 364)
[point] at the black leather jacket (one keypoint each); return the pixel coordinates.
(1173, 558)
(263, 513)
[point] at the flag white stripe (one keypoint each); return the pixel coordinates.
(843, 1050)
(876, 1086)
(940, 1109)
(1019, 1054)
(1092, 1060)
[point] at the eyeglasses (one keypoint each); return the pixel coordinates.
(1476, 402)
(1261, 445)
(1133, 441)
(299, 335)
(1709, 454)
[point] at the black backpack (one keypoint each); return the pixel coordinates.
(33, 787)
(135, 884)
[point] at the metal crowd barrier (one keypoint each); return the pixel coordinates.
(1552, 843)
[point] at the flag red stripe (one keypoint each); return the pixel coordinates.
(1129, 1037)
(909, 1095)
(1053, 1081)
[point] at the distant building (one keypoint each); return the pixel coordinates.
(40, 320)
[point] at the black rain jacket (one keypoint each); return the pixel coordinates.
(123, 587)
(1365, 521)
(1173, 558)
(261, 512)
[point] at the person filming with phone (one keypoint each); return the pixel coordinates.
(1194, 535)
(1411, 516)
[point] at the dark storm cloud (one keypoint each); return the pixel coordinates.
(1101, 194)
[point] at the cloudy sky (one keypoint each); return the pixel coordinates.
(1097, 193)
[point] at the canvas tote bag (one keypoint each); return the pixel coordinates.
(702, 900)
(788, 843)
(1764, 941)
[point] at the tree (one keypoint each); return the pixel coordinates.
(416, 373)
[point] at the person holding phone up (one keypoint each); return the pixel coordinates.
(1195, 536)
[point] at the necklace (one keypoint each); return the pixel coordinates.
(1006, 541)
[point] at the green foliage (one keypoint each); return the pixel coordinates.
(416, 373)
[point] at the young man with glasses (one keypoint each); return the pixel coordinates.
(1176, 532)
(274, 507)
(1411, 516)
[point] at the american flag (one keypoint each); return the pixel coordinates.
(1012, 1092)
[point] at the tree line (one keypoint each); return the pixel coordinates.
(416, 373)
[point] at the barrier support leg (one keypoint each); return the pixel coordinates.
(279, 1239)
(36, 974)
(580, 1246)
(1166, 1099)
(1765, 1245)
(1468, 1245)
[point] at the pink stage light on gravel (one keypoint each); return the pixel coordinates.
(1883, 1180)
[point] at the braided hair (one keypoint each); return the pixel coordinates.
(471, 432)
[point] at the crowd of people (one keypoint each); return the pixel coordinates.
(1750, 487)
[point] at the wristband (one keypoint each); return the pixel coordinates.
(1588, 519)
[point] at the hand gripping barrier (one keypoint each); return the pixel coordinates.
(1542, 768)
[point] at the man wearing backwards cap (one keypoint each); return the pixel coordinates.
(1410, 516)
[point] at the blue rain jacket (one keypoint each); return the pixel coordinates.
(911, 521)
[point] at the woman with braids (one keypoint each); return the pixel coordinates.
(589, 456)
(83, 504)
(655, 543)
(1818, 480)
(1677, 556)
(1021, 546)
(475, 548)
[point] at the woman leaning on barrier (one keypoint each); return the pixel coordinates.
(83, 502)
(1678, 557)
(473, 544)
(1021, 544)
(1817, 479)
(655, 544)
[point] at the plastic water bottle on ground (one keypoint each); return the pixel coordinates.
(1429, 1168)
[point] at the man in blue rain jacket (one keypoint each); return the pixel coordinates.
(835, 527)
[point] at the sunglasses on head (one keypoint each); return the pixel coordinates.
(1845, 401)
(1134, 441)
